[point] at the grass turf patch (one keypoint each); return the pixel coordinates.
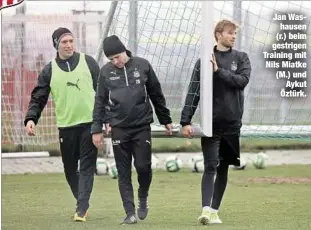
(44, 201)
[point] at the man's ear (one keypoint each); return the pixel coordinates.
(218, 35)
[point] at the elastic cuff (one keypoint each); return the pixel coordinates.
(185, 123)
(96, 129)
(29, 119)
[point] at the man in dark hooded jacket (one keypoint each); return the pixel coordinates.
(125, 87)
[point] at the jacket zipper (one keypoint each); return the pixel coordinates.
(127, 82)
(145, 93)
(110, 101)
(68, 66)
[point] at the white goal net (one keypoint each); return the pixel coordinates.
(26, 49)
(168, 34)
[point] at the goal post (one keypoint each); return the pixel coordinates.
(161, 48)
(108, 22)
(206, 81)
(173, 35)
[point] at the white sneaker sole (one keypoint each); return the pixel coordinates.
(216, 222)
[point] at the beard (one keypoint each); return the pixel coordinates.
(228, 44)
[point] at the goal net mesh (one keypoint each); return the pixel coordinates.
(168, 35)
(26, 48)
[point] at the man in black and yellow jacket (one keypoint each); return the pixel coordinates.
(71, 78)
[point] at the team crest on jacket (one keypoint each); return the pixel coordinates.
(234, 66)
(136, 73)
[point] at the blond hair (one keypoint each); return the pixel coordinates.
(221, 25)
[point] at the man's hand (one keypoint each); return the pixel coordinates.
(187, 131)
(168, 128)
(98, 140)
(107, 129)
(213, 61)
(30, 128)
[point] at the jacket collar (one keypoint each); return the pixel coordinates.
(73, 57)
(227, 51)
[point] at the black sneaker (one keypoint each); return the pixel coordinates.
(129, 219)
(142, 210)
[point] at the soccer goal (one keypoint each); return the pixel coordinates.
(172, 35)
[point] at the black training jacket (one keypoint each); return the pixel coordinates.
(40, 94)
(122, 97)
(234, 69)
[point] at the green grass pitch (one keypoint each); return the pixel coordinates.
(274, 198)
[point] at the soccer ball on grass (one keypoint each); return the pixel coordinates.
(259, 162)
(113, 172)
(197, 164)
(102, 167)
(173, 164)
